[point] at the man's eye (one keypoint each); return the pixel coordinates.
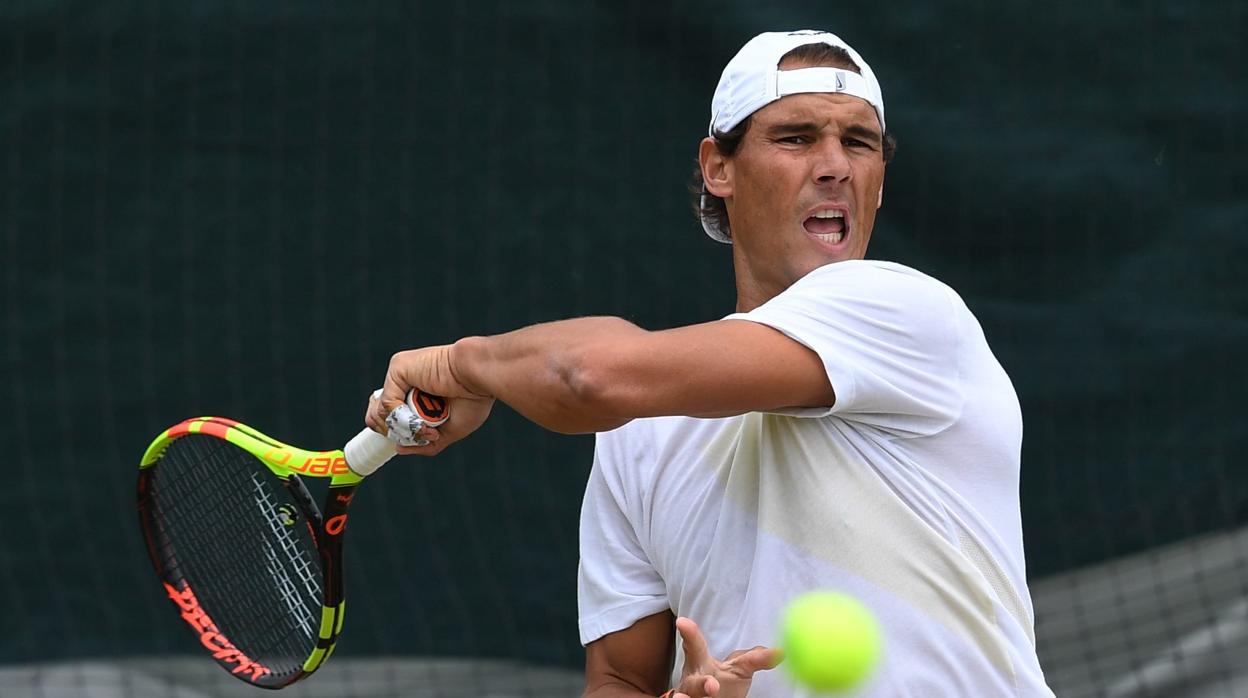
(792, 140)
(855, 143)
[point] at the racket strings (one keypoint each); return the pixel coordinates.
(220, 562)
(231, 531)
(291, 559)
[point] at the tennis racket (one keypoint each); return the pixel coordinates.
(243, 552)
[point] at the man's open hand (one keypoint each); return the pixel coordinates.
(705, 676)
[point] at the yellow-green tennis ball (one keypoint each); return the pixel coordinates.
(831, 641)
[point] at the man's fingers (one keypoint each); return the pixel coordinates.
(392, 395)
(696, 651)
(372, 419)
(756, 659)
(711, 686)
(430, 447)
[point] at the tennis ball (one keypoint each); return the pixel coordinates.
(831, 641)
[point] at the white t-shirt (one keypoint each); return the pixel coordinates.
(904, 494)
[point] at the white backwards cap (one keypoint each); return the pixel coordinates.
(752, 80)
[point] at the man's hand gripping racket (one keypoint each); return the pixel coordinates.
(430, 368)
(243, 552)
(406, 424)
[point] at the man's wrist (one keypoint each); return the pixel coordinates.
(464, 360)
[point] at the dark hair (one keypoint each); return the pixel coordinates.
(727, 142)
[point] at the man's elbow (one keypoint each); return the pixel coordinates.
(599, 388)
(589, 402)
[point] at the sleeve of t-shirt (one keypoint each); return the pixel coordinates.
(888, 338)
(616, 583)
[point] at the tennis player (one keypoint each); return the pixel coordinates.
(846, 428)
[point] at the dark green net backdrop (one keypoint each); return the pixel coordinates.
(245, 208)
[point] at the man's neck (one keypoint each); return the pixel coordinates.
(752, 291)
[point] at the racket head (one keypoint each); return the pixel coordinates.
(240, 546)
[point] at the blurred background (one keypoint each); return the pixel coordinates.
(244, 208)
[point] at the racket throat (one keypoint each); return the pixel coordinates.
(307, 506)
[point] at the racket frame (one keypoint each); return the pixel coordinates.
(289, 464)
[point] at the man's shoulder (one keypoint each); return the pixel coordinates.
(874, 282)
(873, 271)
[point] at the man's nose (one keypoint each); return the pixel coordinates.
(832, 163)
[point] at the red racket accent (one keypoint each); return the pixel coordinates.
(430, 408)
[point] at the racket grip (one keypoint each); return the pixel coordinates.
(367, 451)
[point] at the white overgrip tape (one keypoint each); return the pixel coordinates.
(367, 451)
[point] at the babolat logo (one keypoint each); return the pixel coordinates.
(210, 636)
(287, 515)
(430, 406)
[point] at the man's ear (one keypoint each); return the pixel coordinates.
(716, 169)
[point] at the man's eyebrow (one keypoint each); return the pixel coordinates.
(858, 131)
(791, 127)
(863, 133)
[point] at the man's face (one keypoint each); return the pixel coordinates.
(803, 188)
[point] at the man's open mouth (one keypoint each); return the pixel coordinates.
(827, 226)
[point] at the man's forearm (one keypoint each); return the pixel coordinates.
(556, 374)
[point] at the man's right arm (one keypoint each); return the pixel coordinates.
(595, 374)
(632, 663)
